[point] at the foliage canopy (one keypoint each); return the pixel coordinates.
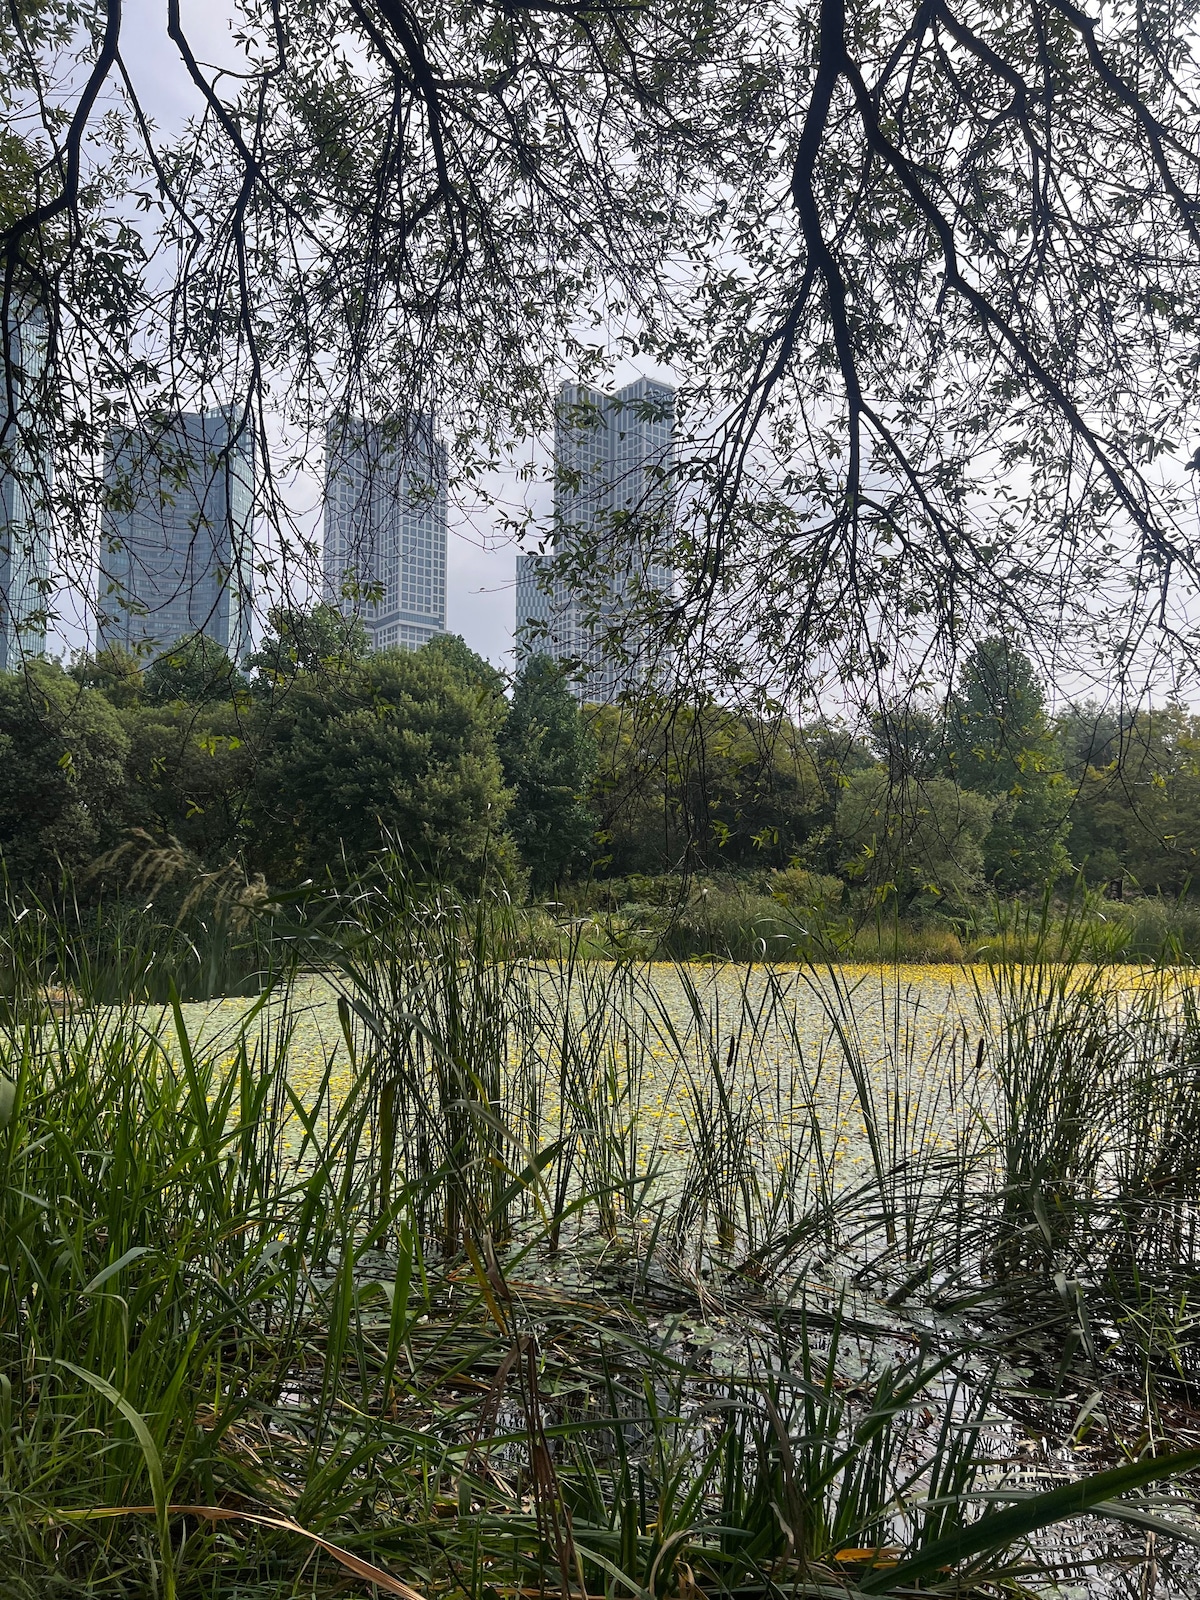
(927, 274)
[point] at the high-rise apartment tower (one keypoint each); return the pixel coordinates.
(25, 486)
(385, 527)
(613, 509)
(177, 553)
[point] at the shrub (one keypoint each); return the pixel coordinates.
(800, 888)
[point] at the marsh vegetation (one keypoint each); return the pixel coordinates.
(508, 1276)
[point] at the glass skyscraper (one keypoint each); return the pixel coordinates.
(385, 527)
(26, 468)
(177, 547)
(614, 499)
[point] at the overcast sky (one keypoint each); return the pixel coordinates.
(481, 564)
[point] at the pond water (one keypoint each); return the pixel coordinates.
(867, 1063)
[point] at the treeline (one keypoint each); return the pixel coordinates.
(924, 810)
(320, 753)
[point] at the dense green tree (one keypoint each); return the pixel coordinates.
(1089, 735)
(1137, 816)
(1001, 745)
(837, 752)
(916, 839)
(628, 796)
(549, 755)
(997, 716)
(319, 640)
(701, 789)
(454, 649)
(196, 670)
(115, 671)
(401, 748)
(1026, 844)
(910, 739)
(62, 774)
(190, 774)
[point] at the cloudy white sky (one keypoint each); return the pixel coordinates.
(481, 561)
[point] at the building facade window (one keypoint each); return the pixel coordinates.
(26, 488)
(385, 527)
(613, 513)
(177, 555)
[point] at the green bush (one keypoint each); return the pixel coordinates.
(800, 887)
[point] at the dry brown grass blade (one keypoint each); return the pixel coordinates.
(362, 1569)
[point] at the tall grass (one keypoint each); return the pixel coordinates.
(562, 1277)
